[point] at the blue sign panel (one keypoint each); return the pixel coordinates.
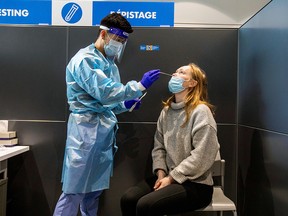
(25, 12)
(152, 14)
(149, 47)
(89, 12)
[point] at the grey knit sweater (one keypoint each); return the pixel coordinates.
(186, 153)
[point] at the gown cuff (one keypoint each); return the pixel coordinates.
(141, 87)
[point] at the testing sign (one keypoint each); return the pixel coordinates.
(84, 13)
(137, 13)
(25, 12)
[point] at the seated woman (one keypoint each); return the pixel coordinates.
(185, 148)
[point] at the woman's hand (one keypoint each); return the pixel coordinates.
(163, 182)
(161, 174)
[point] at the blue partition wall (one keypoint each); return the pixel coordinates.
(263, 113)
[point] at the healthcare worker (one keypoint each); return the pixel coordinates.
(95, 94)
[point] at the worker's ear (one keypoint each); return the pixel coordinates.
(103, 34)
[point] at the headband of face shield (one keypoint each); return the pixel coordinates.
(117, 43)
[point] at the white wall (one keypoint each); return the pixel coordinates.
(216, 13)
(213, 13)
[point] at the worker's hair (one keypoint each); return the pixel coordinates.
(117, 21)
(196, 95)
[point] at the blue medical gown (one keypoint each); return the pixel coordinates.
(95, 95)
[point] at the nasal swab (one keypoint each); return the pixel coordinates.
(165, 74)
(134, 105)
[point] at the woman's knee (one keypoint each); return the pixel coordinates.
(130, 197)
(144, 206)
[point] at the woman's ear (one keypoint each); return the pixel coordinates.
(193, 83)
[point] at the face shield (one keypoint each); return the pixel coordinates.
(118, 40)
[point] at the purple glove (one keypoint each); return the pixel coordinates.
(128, 104)
(150, 77)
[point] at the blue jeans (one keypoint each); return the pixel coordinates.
(68, 204)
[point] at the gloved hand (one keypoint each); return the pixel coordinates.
(128, 104)
(150, 77)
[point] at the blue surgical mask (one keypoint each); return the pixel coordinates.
(175, 84)
(112, 48)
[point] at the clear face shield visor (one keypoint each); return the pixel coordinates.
(118, 40)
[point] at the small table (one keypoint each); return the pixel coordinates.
(7, 152)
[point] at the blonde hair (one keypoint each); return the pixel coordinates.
(196, 95)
